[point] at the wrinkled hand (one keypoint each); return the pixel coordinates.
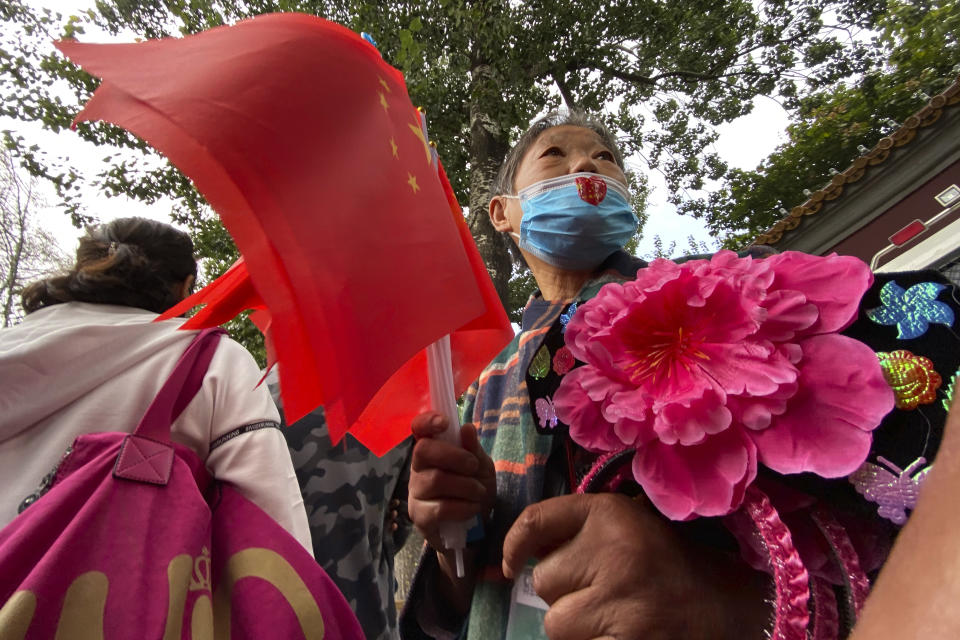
(610, 567)
(917, 591)
(447, 483)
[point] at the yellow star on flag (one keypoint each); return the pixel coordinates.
(412, 181)
(393, 145)
(383, 101)
(383, 83)
(418, 131)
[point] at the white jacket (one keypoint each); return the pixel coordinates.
(77, 368)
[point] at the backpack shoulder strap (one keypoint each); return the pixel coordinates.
(181, 386)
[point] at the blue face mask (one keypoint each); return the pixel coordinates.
(575, 221)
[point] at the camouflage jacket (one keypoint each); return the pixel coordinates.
(347, 493)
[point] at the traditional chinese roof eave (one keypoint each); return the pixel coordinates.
(889, 171)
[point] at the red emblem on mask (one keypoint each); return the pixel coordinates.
(592, 190)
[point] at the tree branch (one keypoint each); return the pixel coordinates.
(558, 78)
(760, 45)
(653, 80)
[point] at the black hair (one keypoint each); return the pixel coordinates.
(133, 262)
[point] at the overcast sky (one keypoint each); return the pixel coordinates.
(743, 143)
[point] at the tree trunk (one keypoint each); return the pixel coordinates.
(488, 146)
(11, 281)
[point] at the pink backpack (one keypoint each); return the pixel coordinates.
(134, 539)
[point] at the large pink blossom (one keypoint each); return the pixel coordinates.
(711, 366)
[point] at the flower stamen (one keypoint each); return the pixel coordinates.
(649, 360)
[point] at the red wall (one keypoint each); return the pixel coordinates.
(919, 205)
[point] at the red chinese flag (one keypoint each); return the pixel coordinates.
(307, 145)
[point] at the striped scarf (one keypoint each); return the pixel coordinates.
(499, 405)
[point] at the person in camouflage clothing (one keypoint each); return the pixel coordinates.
(356, 506)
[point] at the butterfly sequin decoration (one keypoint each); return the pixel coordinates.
(912, 310)
(565, 317)
(546, 412)
(540, 366)
(895, 490)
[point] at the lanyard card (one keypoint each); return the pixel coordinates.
(527, 610)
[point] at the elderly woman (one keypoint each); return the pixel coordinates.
(90, 357)
(609, 566)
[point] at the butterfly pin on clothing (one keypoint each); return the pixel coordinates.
(895, 490)
(546, 412)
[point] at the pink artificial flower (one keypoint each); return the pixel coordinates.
(710, 366)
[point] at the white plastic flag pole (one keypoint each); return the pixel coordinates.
(442, 399)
